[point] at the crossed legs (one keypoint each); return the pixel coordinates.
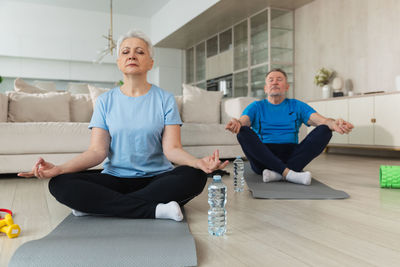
(277, 158)
(104, 194)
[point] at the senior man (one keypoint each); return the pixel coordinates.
(268, 133)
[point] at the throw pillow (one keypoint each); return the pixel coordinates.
(81, 108)
(233, 107)
(45, 85)
(23, 87)
(179, 100)
(52, 106)
(78, 88)
(3, 107)
(95, 92)
(201, 106)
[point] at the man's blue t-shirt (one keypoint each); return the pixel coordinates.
(136, 126)
(278, 124)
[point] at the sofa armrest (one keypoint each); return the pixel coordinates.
(233, 107)
(3, 107)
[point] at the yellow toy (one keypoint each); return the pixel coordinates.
(7, 225)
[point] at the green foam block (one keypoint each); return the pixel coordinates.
(389, 176)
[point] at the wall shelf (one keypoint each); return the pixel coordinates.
(259, 43)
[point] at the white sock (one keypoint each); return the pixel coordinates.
(271, 176)
(299, 177)
(78, 213)
(170, 210)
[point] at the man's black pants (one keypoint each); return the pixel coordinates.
(278, 157)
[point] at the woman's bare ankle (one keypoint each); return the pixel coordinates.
(285, 172)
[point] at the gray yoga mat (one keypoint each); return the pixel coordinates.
(106, 241)
(286, 190)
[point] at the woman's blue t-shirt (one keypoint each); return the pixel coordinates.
(136, 126)
(278, 124)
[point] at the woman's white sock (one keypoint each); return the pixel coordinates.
(299, 177)
(171, 210)
(78, 213)
(270, 176)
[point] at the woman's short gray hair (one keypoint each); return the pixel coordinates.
(135, 34)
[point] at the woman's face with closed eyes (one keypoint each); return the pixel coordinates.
(134, 57)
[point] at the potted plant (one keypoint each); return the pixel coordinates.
(322, 79)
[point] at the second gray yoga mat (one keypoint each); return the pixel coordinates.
(106, 241)
(286, 190)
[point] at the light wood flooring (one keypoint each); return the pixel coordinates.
(363, 230)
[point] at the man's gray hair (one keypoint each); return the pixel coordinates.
(135, 34)
(278, 70)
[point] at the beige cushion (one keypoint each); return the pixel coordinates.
(78, 88)
(233, 107)
(43, 137)
(46, 85)
(81, 107)
(51, 106)
(3, 107)
(200, 106)
(95, 92)
(21, 86)
(201, 134)
(179, 102)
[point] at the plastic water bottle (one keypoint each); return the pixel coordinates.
(217, 212)
(238, 175)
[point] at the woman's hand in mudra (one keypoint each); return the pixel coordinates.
(42, 170)
(211, 163)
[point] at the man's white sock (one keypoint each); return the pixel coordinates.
(299, 177)
(271, 176)
(171, 210)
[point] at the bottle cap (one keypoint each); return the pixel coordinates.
(217, 177)
(238, 157)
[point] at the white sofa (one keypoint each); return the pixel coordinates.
(22, 143)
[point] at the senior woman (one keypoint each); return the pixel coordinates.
(137, 128)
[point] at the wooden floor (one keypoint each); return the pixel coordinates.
(363, 230)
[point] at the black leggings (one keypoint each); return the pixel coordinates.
(278, 157)
(104, 194)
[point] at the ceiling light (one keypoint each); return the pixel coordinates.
(111, 43)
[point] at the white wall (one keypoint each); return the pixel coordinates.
(41, 41)
(175, 14)
(168, 69)
(169, 64)
(359, 39)
(56, 43)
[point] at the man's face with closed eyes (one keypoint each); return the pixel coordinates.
(276, 84)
